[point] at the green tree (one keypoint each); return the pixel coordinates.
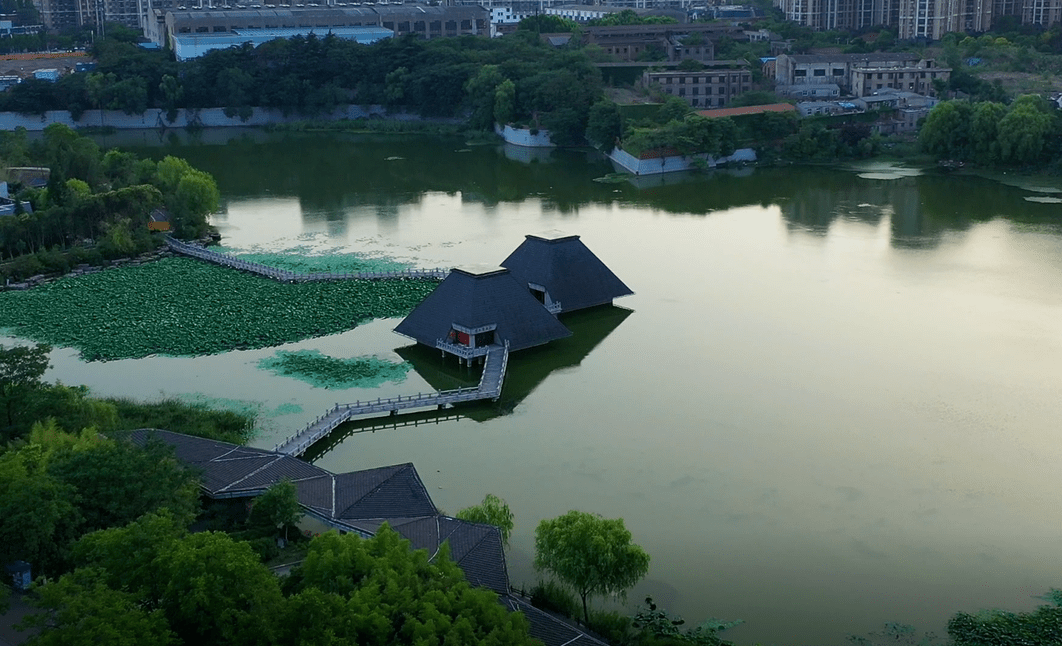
(172, 95)
(673, 109)
(593, 555)
(945, 132)
(70, 406)
(21, 370)
(604, 125)
(277, 508)
(80, 610)
(169, 173)
(216, 591)
(393, 595)
(505, 102)
(116, 482)
(492, 511)
(984, 131)
(1023, 133)
(481, 91)
(197, 196)
(128, 556)
(37, 517)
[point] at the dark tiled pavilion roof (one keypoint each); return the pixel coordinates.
(474, 298)
(569, 271)
(362, 501)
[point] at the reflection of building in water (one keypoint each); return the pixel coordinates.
(813, 208)
(527, 370)
(526, 154)
(907, 221)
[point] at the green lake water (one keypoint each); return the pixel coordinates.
(832, 402)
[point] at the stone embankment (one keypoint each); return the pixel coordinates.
(82, 269)
(674, 163)
(202, 118)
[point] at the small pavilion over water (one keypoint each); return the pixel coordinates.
(563, 274)
(475, 308)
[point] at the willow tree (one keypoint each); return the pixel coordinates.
(593, 555)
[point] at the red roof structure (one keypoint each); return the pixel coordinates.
(750, 109)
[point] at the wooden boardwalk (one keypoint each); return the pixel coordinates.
(490, 387)
(286, 276)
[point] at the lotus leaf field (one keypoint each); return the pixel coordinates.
(302, 260)
(183, 307)
(322, 371)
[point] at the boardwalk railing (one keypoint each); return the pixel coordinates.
(462, 351)
(286, 276)
(490, 386)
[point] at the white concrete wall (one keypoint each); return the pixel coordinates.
(208, 118)
(523, 137)
(674, 163)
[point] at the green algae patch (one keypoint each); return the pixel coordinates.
(302, 260)
(322, 371)
(184, 307)
(287, 409)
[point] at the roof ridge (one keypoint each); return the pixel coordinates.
(277, 458)
(399, 469)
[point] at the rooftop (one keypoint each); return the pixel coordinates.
(367, 499)
(479, 298)
(750, 109)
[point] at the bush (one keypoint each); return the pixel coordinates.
(614, 627)
(552, 596)
(265, 548)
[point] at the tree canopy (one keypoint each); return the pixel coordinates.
(1025, 133)
(277, 509)
(593, 555)
(21, 369)
(492, 511)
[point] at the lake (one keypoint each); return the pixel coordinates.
(832, 402)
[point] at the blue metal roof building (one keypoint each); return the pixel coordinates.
(188, 46)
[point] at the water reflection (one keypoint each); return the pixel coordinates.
(527, 370)
(339, 177)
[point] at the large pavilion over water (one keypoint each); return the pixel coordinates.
(475, 308)
(563, 274)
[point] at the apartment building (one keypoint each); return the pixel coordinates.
(860, 74)
(709, 88)
(931, 19)
(914, 19)
(839, 14)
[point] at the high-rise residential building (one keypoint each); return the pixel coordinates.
(58, 15)
(1041, 12)
(839, 14)
(932, 19)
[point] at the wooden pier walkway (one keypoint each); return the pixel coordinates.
(490, 387)
(286, 276)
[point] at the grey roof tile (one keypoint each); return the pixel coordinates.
(547, 628)
(569, 271)
(393, 494)
(477, 299)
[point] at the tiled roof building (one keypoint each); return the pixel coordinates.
(560, 269)
(360, 502)
(478, 307)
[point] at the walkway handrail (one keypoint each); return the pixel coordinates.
(325, 424)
